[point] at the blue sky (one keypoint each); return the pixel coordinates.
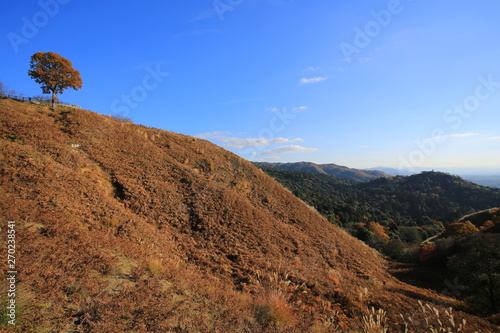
(360, 83)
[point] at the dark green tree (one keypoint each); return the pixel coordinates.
(477, 266)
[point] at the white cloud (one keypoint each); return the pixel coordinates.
(212, 135)
(290, 149)
(300, 108)
(237, 143)
(279, 140)
(317, 79)
(462, 135)
(494, 138)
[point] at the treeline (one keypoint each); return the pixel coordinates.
(417, 200)
(393, 215)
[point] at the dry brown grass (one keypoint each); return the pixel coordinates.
(145, 230)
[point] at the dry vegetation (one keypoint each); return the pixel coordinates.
(124, 228)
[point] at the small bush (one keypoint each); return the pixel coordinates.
(2, 89)
(123, 119)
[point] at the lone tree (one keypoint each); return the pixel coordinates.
(54, 73)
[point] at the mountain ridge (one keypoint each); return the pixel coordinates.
(340, 171)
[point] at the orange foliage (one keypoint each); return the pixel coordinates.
(378, 231)
(488, 224)
(460, 229)
(54, 73)
(426, 253)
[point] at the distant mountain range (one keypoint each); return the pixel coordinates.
(365, 175)
(407, 200)
(485, 178)
(340, 171)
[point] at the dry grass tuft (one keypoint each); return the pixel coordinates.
(375, 321)
(272, 311)
(433, 321)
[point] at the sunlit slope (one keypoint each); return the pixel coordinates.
(127, 228)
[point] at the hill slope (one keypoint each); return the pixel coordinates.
(127, 228)
(330, 169)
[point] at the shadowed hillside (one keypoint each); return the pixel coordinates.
(127, 228)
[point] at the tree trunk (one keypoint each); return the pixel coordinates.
(53, 98)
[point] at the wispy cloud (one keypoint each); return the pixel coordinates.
(294, 109)
(463, 135)
(310, 80)
(210, 135)
(494, 138)
(197, 32)
(311, 69)
(300, 108)
(290, 149)
(229, 141)
(208, 13)
(450, 136)
(267, 159)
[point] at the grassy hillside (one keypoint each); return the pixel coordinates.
(124, 228)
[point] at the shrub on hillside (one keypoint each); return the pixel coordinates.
(460, 229)
(123, 119)
(2, 89)
(5, 92)
(44, 99)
